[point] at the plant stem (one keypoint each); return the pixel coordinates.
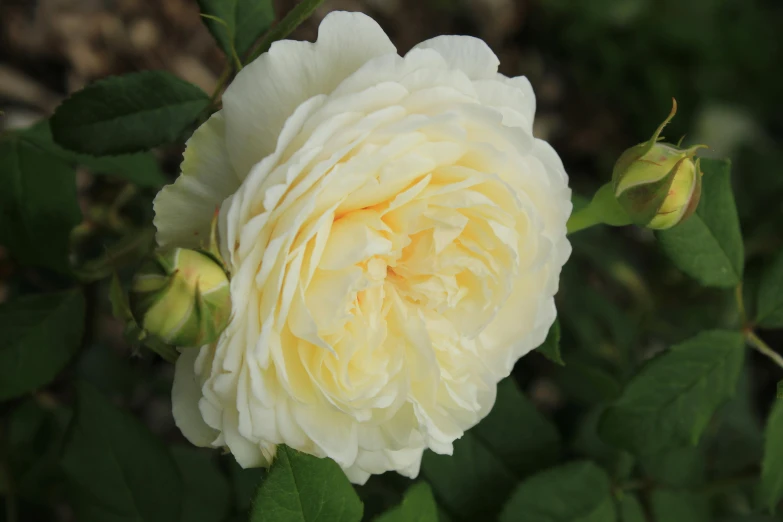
(584, 218)
(741, 305)
(214, 103)
(756, 342)
(296, 16)
(750, 336)
(219, 87)
(127, 250)
(602, 209)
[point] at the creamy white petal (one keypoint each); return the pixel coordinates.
(184, 209)
(185, 396)
(466, 53)
(247, 453)
(268, 90)
(332, 431)
(514, 97)
(526, 104)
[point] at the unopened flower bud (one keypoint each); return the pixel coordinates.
(658, 184)
(182, 297)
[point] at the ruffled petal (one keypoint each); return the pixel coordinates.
(466, 53)
(184, 209)
(185, 396)
(247, 453)
(512, 96)
(267, 91)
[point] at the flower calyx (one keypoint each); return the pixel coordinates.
(658, 184)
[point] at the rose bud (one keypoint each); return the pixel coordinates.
(658, 184)
(182, 297)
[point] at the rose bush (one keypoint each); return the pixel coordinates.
(394, 236)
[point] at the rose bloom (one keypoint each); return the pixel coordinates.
(394, 235)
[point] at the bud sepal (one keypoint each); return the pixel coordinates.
(181, 297)
(133, 332)
(658, 184)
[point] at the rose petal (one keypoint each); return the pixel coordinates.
(185, 396)
(466, 53)
(266, 92)
(184, 209)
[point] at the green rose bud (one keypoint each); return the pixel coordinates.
(182, 297)
(658, 184)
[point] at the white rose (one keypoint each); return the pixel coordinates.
(394, 235)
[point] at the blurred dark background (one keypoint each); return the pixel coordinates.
(604, 72)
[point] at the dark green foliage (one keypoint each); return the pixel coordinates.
(241, 22)
(512, 442)
(117, 469)
(542, 498)
(551, 346)
(40, 334)
(37, 201)
(417, 506)
(126, 114)
(708, 245)
(670, 402)
(304, 488)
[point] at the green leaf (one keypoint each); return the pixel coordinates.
(244, 483)
(298, 14)
(130, 113)
(631, 510)
(671, 400)
(575, 492)
(708, 245)
(679, 506)
(207, 495)
(244, 22)
(679, 467)
(303, 488)
(588, 445)
(417, 506)
(41, 333)
(551, 347)
(382, 493)
(769, 305)
(735, 436)
(587, 381)
(512, 442)
(771, 489)
(597, 326)
(120, 306)
(38, 205)
(120, 472)
(141, 168)
(33, 433)
(112, 371)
